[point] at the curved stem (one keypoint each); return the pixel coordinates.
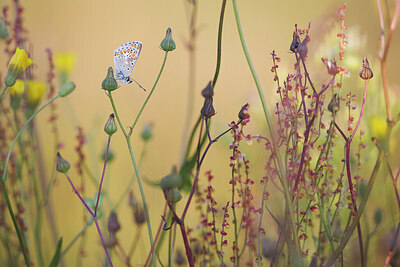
(20, 131)
(148, 97)
(4, 177)
(282, 173)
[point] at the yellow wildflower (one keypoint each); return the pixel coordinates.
(64, 62)
(16, 92)
(18, 63)
(17, 89)
(34, 92)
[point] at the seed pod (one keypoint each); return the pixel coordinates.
(243, 112)
(62, 165)
(208, 91)
(111, 127)
(334, 105)
(330, 66)
(295, 42)
(366, 72)
(303, 48)
(207, 111)
(113, 223)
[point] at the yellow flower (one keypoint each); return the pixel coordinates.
(16, 92)
(64, 62)
(17, 89)
(34, 92)
(18, 63)
(377, 125)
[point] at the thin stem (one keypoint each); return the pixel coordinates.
(282, 171)
(148, 97)
(3, 92)
(349, 232)
(361, 112)
(4, 177)
(219, 50)
(102, 175)
(93, 216)
(75, 239)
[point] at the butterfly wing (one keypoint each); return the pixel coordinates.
(125, 57)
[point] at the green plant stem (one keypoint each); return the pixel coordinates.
(4, 177)
(135, 166)
(3, 92)
(76, 238)
(148, 97)
(282, 174)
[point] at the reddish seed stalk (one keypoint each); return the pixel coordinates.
(102, 175)
(94, 218)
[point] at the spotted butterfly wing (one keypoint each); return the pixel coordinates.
(125, 57)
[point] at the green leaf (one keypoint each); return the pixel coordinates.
(56, 258)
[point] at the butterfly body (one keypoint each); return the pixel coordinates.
(125, 57)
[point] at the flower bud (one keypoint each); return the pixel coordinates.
(16, 92)
(378, 215)
(366, 72)
(168, 44)
(330, 66)
(17, 65)
(109, 83)
(302, 49)
(208, 91)
(3, 29)
(111, 127)
(66, 89)
(147, 133)
(243, 112)
(334, 105)
(62, 165)
(173, 195)
(172, 180)
(207, 111)
(295, 42)
(113, 223)
(110, 155)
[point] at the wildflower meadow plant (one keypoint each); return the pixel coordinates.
(319, 163)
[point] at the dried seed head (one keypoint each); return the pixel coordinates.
(302, 49)
(295, 42)
(268, 248)
(208, 91)
(62, 165)
(207, 111)
(330, 66)
(243, 112)
(132, 200)
(366, 72)
(180, 259)
(113, 223)
(139, 215)
(334, 105)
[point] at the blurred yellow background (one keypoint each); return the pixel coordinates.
(92, 29)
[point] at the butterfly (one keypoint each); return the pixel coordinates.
(125, 57)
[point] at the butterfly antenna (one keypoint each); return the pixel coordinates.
(139, 84)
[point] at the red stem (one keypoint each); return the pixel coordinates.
(102, 175)
(94, 218)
